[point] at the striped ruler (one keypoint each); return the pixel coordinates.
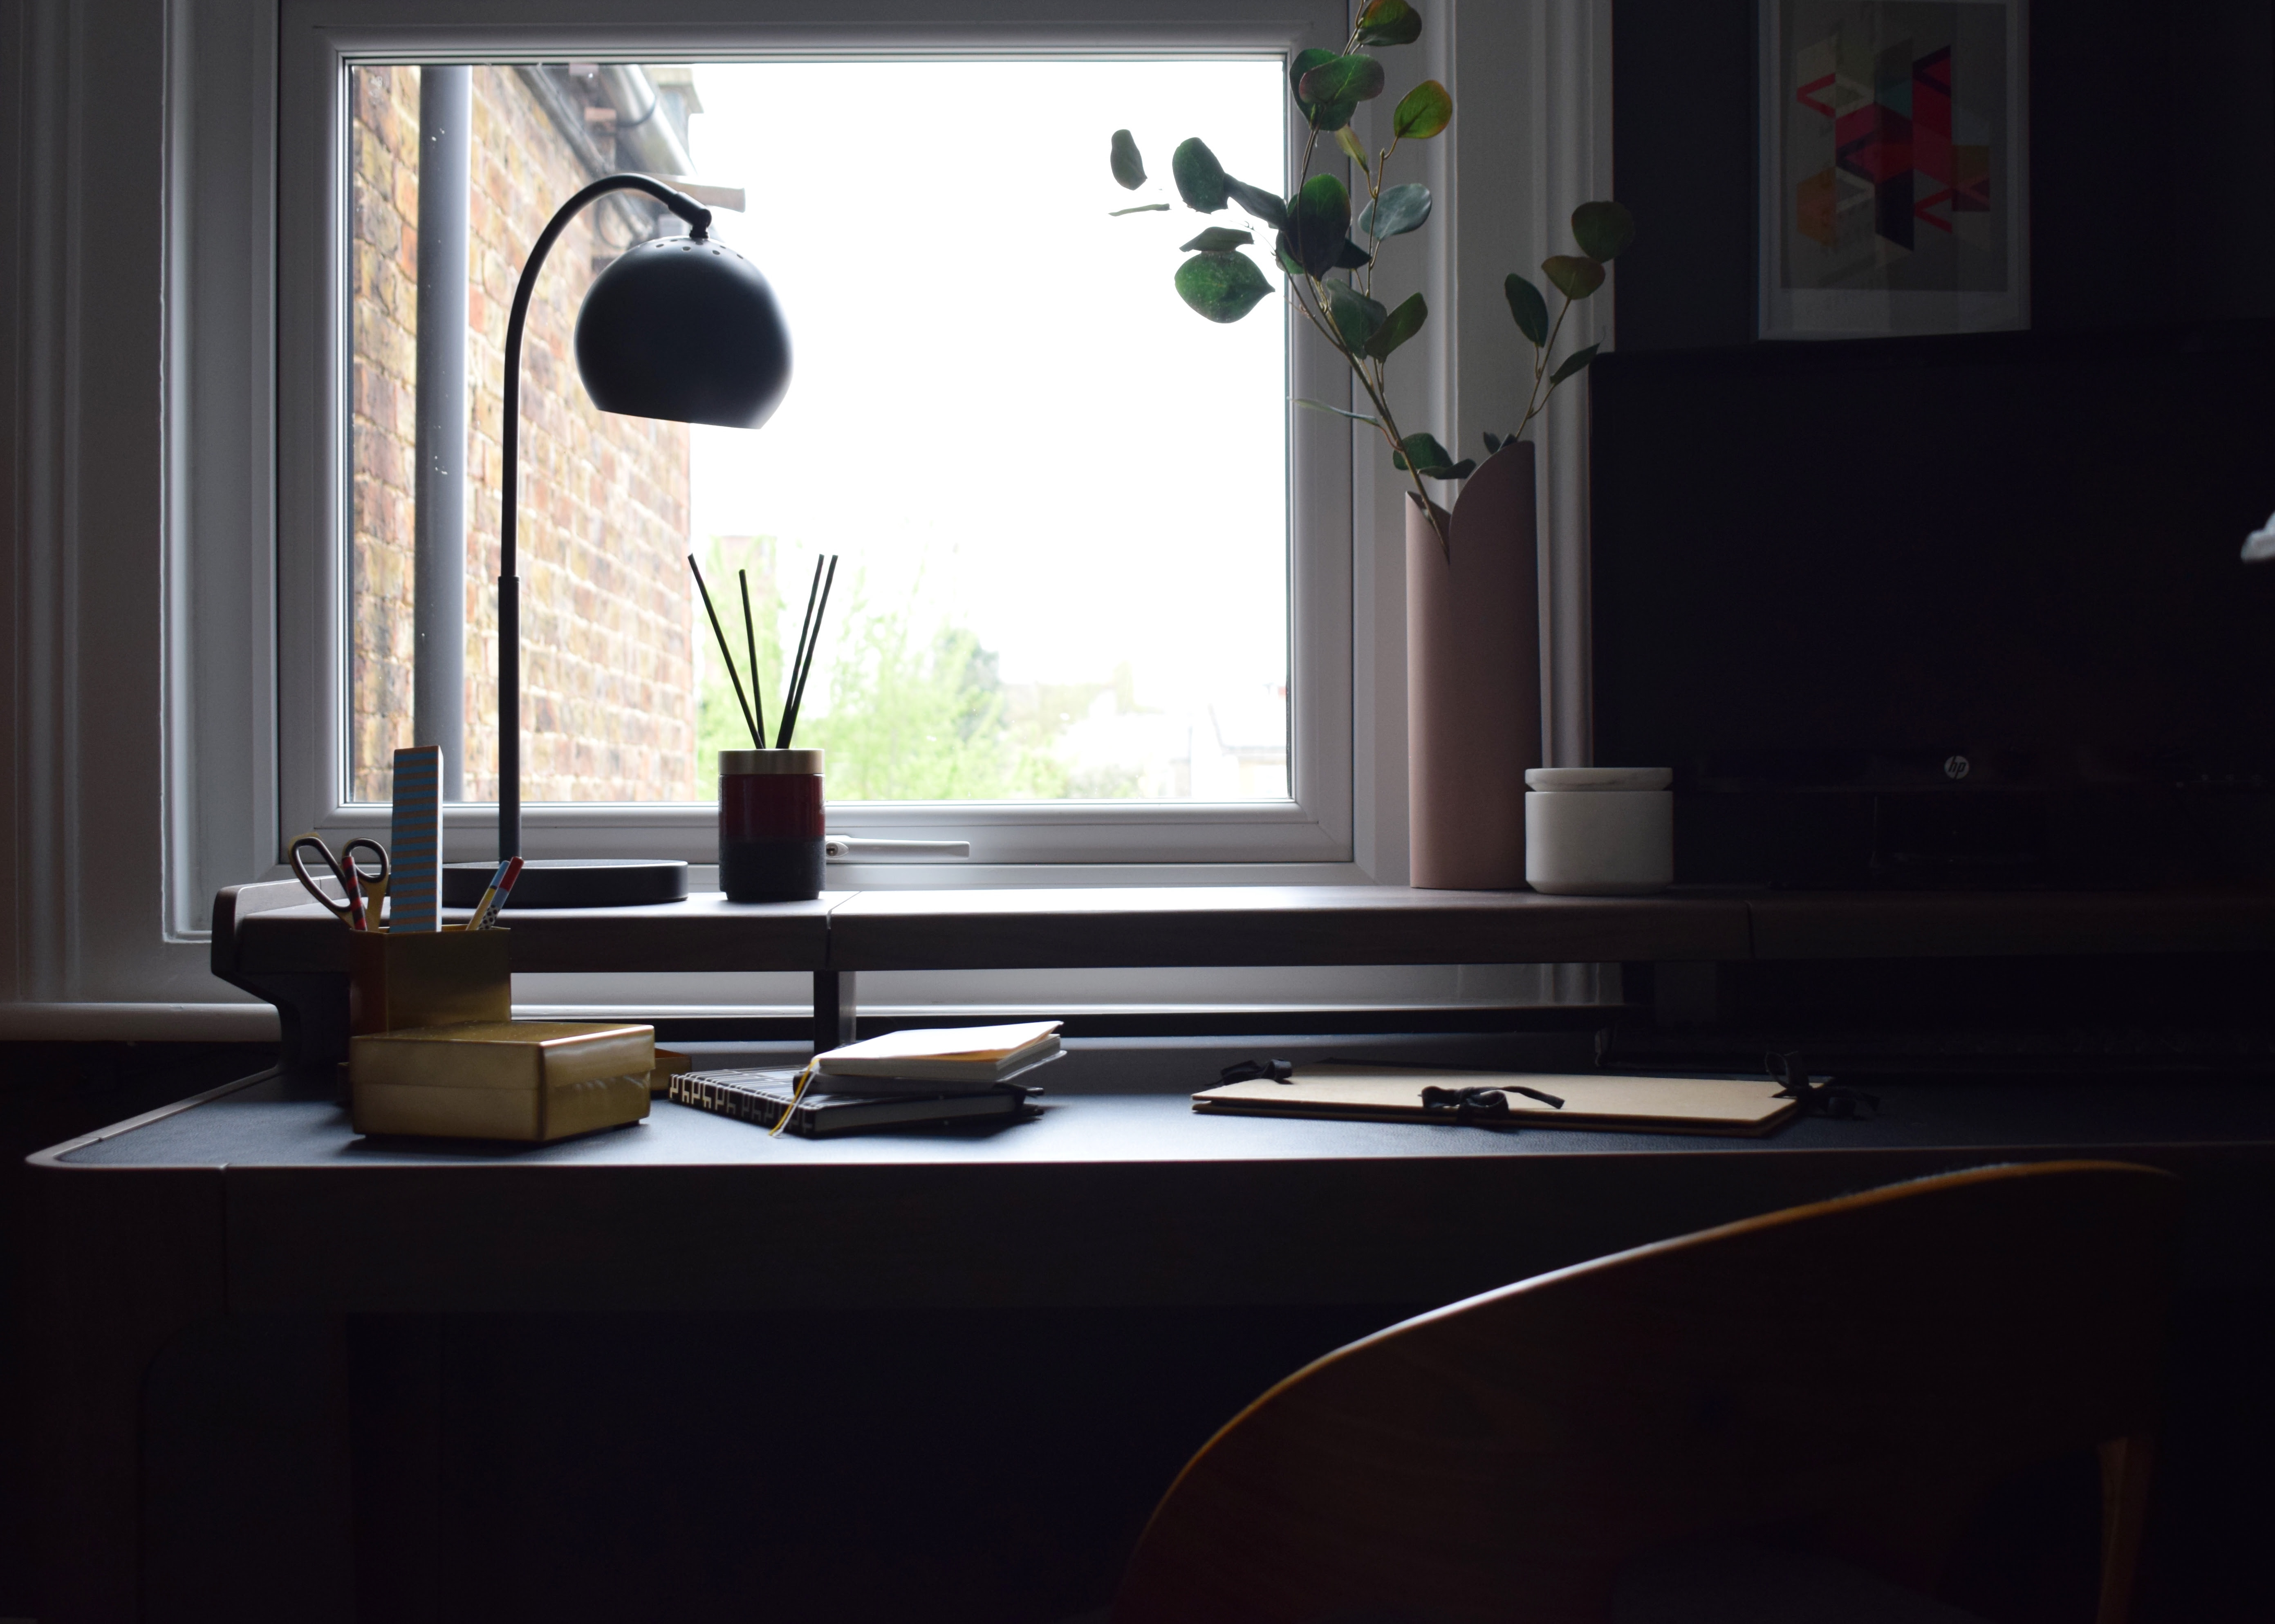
(414, 888)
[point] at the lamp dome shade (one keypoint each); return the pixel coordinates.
(683, 327)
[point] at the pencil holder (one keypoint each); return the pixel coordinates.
(399, 980)
(770, 825)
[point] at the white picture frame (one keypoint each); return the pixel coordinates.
(1895, 168)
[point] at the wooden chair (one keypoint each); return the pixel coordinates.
(1862, 1369)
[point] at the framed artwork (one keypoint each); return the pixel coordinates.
(1895, 174)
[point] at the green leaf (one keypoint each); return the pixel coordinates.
(1350, 256)
(1530, 309)
(1422, 112)
(1200, 178)
(1304, 62)
(1216, 239)
(1575, 362)
(1355, 315)
(1142, 209)
(1493, 441)
(1602, 229)
(1333, 117)
(1397, 211)
(1399, 326)
(1425, 454)
(1356, 417)
(1129, 168)
(1283, 249)
(1352, 150)
(1390, 22)
(1356, 78)
(1269, 206)
(1572, 274)
(1431, 460)
(1321, 221)
(1223, 287)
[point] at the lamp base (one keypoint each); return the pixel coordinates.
(571, 882)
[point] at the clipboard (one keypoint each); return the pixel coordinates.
(1745, 1107)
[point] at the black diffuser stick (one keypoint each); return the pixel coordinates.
(750, 642)
(789, 679)
(757, 739)
(805, 669)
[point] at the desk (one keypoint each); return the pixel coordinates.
(257, 1199)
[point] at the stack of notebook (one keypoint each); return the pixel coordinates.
(901, 1079)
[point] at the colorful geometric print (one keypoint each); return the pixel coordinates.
(1885, 161)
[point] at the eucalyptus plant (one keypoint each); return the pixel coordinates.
(1329, 276)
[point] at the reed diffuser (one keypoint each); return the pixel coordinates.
(770, 800)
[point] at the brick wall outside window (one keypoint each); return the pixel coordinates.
(608, 681)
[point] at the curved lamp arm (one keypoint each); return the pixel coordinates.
(509, 720)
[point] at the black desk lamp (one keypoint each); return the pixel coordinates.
(680, 327)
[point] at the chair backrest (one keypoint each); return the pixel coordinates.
(1880, 1358)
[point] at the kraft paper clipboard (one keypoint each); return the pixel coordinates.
(1592, 1100)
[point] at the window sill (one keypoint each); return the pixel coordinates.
(269, 928)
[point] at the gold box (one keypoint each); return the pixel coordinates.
(427, 977)
(535, 1080)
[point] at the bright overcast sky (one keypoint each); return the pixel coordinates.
(997, 390)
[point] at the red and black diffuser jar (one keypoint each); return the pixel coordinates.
(770, 825)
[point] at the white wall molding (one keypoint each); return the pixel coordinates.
(220, 390)
(38, 670)
(1536, 142)
(85, 298)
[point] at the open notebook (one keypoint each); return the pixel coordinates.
(1589, 1099)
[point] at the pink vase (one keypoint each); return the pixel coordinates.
(1473, 679)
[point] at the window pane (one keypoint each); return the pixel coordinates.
(1059, 497)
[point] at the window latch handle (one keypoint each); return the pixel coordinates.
(846, 849)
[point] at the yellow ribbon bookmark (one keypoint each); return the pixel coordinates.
(797, 1093)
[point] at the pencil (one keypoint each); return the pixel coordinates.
(494, 905)
(474, 919)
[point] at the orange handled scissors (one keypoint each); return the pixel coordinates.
(350, 878)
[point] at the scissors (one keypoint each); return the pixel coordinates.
(350, 880)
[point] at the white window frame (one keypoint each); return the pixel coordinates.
(162, 723)
(1312, 827)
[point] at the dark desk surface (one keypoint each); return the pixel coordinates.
(1118, 1192)
(1122, 1101)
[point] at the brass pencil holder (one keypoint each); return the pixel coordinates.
(427, 979)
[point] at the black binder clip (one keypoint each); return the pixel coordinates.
(1818, 1098)
(1465, 1105)
(1253, 1070)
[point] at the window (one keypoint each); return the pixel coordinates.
(1093, 600)
(1060, 500)
(177, 763)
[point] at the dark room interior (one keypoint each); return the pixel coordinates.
(1944, 637)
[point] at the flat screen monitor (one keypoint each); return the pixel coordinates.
(1995, 564)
